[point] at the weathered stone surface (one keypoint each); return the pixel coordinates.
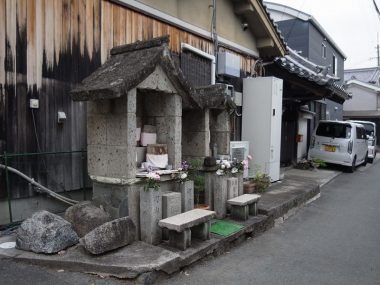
(187, 195)
(85, 217)
(232, 189)
(109, 236)
(220, 196)
(150, 214)
(171, 206)
(187, 220)
(45, 232)
(209, 195)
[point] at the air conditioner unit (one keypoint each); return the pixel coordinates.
(228, 64)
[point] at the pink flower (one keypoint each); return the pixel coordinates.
(249, 156)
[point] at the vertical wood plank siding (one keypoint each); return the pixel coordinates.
(46, 47)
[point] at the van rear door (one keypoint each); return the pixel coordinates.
(333, 136)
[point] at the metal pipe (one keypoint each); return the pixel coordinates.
(201, 53)
(31, 180)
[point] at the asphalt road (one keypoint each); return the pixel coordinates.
(335, 240)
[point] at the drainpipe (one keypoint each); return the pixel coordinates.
(201, 53)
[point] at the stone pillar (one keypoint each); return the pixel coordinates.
(134, 206)
(220, 130)
(196, 133)
(187, 195)
(240, 178)
(220, 196)
(209, 195)
(111, 137)
(232, 189)
(171, 206)
(150, 215)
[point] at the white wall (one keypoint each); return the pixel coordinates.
(363, 99)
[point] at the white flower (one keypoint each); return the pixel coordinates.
(183, 176)
(153, 176)
(180, 169)
(234, 170)
(227, 164)
(219, 172)
(222, 166)
(249, 156)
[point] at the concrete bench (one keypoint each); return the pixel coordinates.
(194, 223)
(243, 206)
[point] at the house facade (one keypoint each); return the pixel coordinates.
(315, 56)
(364, 85)
(48, 47)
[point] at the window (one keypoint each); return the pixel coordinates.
(360, 133)
(323, 50)
(334, 130)
(335, 65)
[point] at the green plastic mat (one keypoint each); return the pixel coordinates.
(224, 228)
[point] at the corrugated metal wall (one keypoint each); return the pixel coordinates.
(46, 47)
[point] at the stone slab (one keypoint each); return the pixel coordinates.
(187, 195)
(171, 204)
(244, 199)
(150, 214)
(220, 196)
(290, 193)
(187, 220)
(126, 262)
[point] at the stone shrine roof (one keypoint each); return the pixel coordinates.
(131, 64)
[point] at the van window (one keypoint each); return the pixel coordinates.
(369, 129)
(334, 130)
(360, 133)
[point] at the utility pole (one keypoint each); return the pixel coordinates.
(378, 54)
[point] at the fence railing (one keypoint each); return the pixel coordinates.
(61, 171)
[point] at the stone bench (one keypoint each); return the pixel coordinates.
(194, 223)
(243, 206)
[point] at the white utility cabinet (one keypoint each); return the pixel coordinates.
(261, 124)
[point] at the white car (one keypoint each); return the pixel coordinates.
(343, 143)
(370, 129)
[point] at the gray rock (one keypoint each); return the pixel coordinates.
(109, 236)
(45, 232)
(85, 217)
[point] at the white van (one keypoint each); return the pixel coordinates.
(370, 129)
(343, 143)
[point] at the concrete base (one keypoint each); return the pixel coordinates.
(239, 212)
(252, 209)
(140, 259)
(201, 231)
(180, 240)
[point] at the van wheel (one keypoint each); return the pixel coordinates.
(351, 168)
(365, 159)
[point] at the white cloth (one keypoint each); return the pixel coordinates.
(157, 160)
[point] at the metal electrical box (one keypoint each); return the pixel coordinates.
(261, 124)
(228, 64)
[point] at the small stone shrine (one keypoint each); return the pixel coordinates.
(140, 102)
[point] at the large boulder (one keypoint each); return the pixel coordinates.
(45, 232)
(109, 236)
(85, 217)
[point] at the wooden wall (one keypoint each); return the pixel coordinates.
(46, 47)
